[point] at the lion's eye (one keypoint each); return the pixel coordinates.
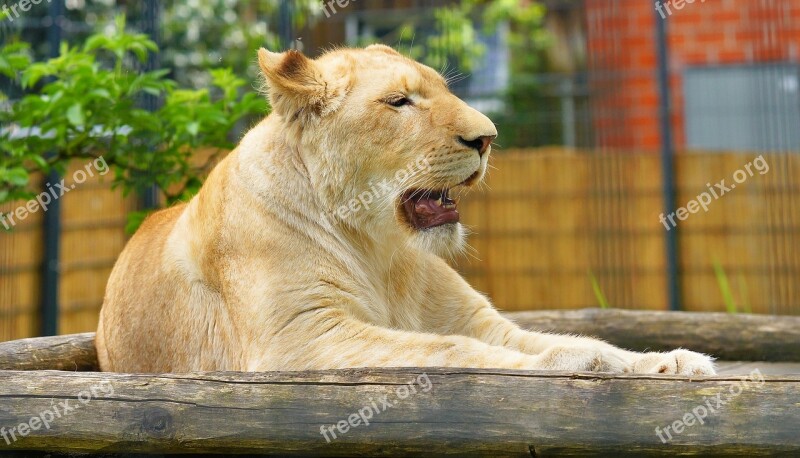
(399, 102)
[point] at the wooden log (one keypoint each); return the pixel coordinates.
(73, 352)
(457, 412)
(725, 336)
(722, 335)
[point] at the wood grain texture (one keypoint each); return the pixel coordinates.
(465, 412)
(73, 352)
(725, 336)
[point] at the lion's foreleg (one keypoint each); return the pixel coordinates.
(487, 325)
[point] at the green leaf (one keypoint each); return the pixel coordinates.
(135, 219)
(39, 160)
(152, 91)
(16, 176)
(75, 115)
(193, 128)
(95, 42)
(101, 92)
(34, 73)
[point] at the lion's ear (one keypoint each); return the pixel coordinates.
(296, 85)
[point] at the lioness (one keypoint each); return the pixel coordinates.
(275, 265)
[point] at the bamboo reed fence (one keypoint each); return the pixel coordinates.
(552, 229)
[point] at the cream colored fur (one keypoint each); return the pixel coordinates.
(254, 275)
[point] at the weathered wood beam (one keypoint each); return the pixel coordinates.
(73, 352)
(726, 336)
(455, 412)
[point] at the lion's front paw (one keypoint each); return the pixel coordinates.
(578, 359)
(680, 362)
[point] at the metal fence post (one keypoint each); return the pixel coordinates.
(52, 217)
(285, 25)
(150, 26)
(667, 161)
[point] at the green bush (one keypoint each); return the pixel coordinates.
(86, 103)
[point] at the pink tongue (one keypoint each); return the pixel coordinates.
(429, 214)
(427, 208)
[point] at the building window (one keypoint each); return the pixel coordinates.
(743, 108)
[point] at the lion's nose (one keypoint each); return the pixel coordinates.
(480, 143)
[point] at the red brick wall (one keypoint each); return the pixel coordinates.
(622, 56)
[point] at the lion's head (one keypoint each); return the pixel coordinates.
(386, 144)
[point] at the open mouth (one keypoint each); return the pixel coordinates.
(427, 208)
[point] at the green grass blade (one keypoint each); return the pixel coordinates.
(598, 292)
(725, 287)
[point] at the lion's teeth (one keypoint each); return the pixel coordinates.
(439, 201)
